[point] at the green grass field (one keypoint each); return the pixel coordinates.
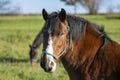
(17, 32)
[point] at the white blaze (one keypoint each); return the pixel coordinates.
(49, 50)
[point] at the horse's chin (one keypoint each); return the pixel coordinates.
(51, 71)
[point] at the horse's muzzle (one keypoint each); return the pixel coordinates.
(47, 63)
(33, 62)
(46, 67)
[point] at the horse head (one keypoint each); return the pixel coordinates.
(33, 55)
(55, 39)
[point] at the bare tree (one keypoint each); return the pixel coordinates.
(15, 10)
(118, 7)
(72, 3)
(4, 5)
(110, 9)
(7, 8)
(91, 5)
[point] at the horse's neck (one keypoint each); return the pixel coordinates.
(38, 40)
(72, 72)
(79, 60)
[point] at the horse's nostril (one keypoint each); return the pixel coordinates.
(52, 63)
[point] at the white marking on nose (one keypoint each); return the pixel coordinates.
(49, 49)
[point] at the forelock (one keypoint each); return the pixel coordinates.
(53, 22)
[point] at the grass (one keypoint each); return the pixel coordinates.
(17, 32)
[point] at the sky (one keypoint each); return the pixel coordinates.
(36, 6)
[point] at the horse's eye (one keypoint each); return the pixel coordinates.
(61, 34)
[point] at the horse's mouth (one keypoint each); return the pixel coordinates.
(33, 63)
(48, 70)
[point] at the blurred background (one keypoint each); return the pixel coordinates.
(21, 21)
(71, 6)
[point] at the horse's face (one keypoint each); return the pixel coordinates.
(33, 55)
(54, 40)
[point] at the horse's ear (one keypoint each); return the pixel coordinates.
(62, 15)
(45, 14)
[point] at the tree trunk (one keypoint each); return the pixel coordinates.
(92, 11)
(75, 9)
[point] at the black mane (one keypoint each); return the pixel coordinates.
(77, 25)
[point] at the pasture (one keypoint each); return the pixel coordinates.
(17, 32)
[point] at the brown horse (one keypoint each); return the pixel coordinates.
(86, 52)
(34, 48)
